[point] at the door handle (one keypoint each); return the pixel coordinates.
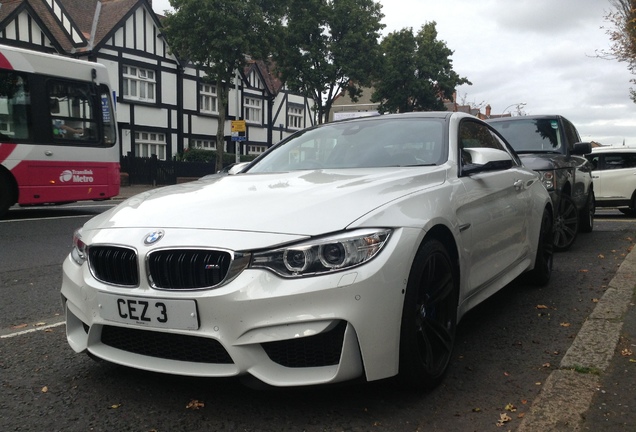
(518, 184)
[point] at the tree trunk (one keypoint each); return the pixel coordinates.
(220, 130)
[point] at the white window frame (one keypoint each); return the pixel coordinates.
(204, 144)
(295, 117)
(256, 149)
(253, 110)
(149, 143)
(138, 84)
(208, 99)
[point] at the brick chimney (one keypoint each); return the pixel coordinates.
(488, 109)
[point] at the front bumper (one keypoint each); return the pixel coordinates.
(284, 332)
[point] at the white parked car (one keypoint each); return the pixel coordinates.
(352, 249)
(614, 176)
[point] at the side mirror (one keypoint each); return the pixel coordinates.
(237, 168)
(582, 148)
(481, 159)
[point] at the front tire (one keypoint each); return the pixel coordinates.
(6, 195)
(429, 318)
(566, 223)
(631, 211)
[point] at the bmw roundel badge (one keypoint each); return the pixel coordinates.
(153, 237)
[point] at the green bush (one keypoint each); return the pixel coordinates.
(196, 155)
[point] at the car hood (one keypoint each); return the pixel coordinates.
(299, 202)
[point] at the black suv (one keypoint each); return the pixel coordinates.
(551, 145)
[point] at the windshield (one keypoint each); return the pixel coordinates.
(531, 135)
(379, 142)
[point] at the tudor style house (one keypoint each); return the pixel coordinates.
(163, 104)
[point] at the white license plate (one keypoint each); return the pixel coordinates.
(150, 312)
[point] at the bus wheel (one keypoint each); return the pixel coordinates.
(6, 195)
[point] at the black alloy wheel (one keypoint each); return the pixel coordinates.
(429, 318)
(566, 223)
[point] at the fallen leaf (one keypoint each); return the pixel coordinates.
(542, 307)
(19, 326)
(594, 300)
(524, 401)
(510, 407)
(521, 415)
(114, 406)
(503, 419)
(626, 352)
(601, 256)
(476, 409)
(40, 324)
(546, 365)
(632, 361)
(45, 389)
(565, 324)
(195, 405)
(583, 271)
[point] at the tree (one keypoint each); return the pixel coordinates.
(216, 35)
(329, 46)
(622, 36)
(417, 72)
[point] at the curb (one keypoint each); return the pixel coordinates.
(567, 393)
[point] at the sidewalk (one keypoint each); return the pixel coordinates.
(595, 388)
(126, 192)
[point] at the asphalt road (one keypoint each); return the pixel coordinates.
(506, 349)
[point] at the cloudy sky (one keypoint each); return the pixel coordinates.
(540, 53)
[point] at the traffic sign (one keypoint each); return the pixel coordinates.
(238, 130)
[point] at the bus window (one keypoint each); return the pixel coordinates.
(72, 113)
(108, 116)
(15, 106)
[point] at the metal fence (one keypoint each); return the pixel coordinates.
(150, 170)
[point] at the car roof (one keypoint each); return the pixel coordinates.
(613, 149)
(419, 114)
(525, 117)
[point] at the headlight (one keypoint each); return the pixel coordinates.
(548, 178)
(79, 248)
(322, 255)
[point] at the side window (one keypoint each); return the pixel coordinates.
(571, 134)
(595, 160)
(72, 111)
(473, 134)
(630, 160)
(614, 161)
(15, 106)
